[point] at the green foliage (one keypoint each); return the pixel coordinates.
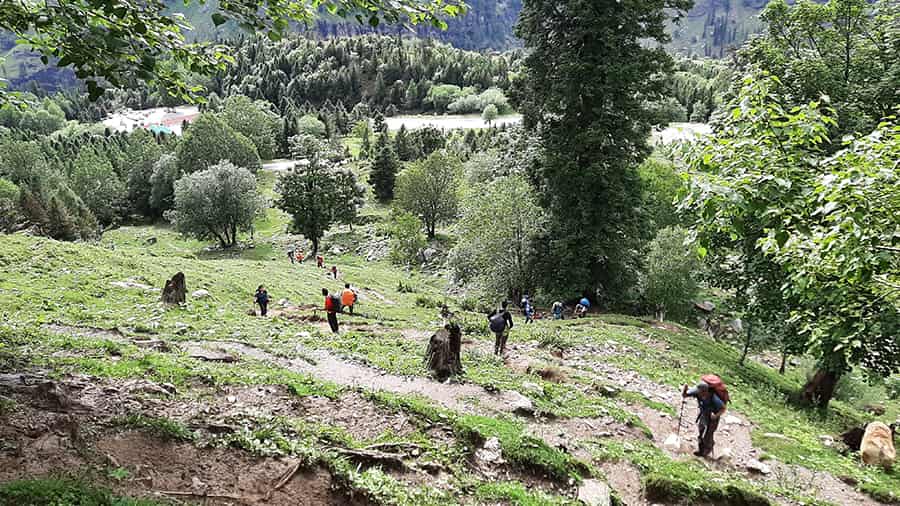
(764, 181)
(440, 96)
(490, 113)
(669, 283)
(163, 55)
(316, 197)
(587, 92)
(254, 120)
(311, 125)
(495, 250)
(475, 103)
(96, 183)
(9, 204)
(61, 492)
(216, 203)
(845, 50)
(430, 190)
(407, 238)
(37, 118)
(162, 183)
(384, 169)
(661, 186)
(139, 157)
(208, 141)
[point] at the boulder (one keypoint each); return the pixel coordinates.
(672, 443)
(428, 254)
(732, 420)
(200, 294)
(490, 453)
(826, 440)
(755, 466)
(211, 355)
(518, 403)
(594, 493)
(705, 306)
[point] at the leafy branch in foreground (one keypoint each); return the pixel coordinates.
(119, 42)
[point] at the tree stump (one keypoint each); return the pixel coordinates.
(443, 354)
(174, 292)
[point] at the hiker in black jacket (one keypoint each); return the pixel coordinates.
(262, 298)
(500, 322)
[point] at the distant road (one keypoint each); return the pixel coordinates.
(448, 122)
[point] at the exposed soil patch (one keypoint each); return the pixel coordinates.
(625, 479)
(158, 466)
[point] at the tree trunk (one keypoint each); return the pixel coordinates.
(315, 250)
(819, 390)
(443, 354)
(784, 358)
(747, 342)
(431, 228)
(175, 290)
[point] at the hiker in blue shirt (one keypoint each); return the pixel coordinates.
(711, 410)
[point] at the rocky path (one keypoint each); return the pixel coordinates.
(734, 445)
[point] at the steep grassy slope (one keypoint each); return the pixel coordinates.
(603, 389)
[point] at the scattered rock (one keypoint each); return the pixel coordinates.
(826, 440)
(212, 355)
(672, 443)
(150, 241)
(200, 294)
(725, 455)
(533, 388)
(594, 493)
(775, 435)
(428, 254)
(520, 404)
(755, 466)
(607, 390)
(705, 306)
(875, 409)
(133, 285)
(490, 453)
(732, 420)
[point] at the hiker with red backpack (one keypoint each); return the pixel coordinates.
(712, 396)
(332, 306)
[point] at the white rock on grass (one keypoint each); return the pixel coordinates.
(490, 453)
(518, 402)
(200, 294)
(732, 420)
(755, 466)
(594, 493)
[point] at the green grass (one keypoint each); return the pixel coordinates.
(62, 492)
(521, 450)
(515, 493)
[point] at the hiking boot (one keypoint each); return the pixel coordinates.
(698, 453)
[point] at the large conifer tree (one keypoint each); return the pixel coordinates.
(591, 70)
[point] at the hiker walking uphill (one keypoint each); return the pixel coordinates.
(500, 323)
(290, 253)
(711, 396)
(262, 298)
(348, 298)
(332, 306)
(528, 309)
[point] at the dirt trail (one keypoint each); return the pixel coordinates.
(456, 396)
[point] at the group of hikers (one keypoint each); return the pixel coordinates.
(500, 320)
(295, 255)
(710, 392)
(334, 304)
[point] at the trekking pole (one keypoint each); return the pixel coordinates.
(680, 416)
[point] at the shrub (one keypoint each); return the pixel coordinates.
(668, 281)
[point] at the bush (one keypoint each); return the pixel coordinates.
(311, 125)
(407, 238)
(668, 283)
(208, 141)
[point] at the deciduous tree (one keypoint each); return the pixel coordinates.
(430, 189)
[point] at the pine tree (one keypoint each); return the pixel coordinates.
(586, 91)
(60, 224)
(402, 145)
(384, 169)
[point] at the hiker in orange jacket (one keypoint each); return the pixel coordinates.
(348, 298)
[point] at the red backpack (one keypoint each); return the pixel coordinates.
(717, 385)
